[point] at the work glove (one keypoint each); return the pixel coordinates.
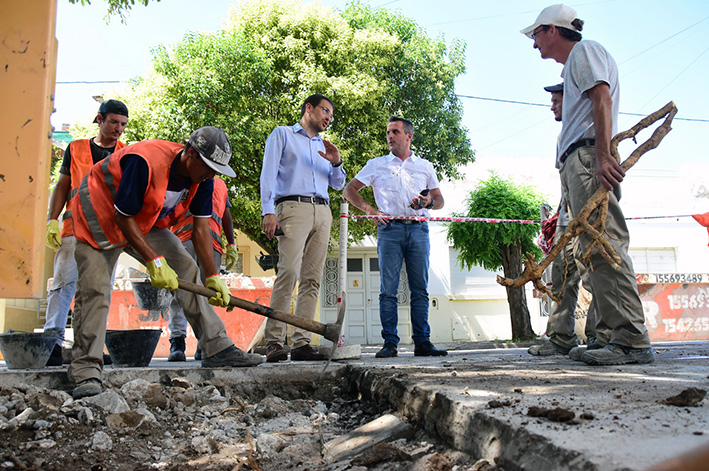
(54, 238)
(161, 275)
(222, 297)
(231, 256)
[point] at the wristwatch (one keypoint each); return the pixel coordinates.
(337, 164)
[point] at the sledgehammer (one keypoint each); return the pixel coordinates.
(329, 331)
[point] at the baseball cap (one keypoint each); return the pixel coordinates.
(112, 106)
(557, 15)
(213, 146)
(558, 88)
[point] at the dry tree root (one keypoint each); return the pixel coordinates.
(599, 201)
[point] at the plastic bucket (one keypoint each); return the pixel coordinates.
(132, 347)
(27, 349)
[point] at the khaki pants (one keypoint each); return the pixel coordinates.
(620, 317)
(301, 257)
(93, 296)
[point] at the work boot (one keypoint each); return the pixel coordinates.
(615, 354)
(388, 351)
(232, 356)
(198, 353)
(86, 388)
(275, 353)
(177, 349)
(426, 349)
(547, 348)
(576, 352)
(56, 358)
(306, 353)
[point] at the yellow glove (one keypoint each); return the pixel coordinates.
(231, 256)
(222, 297)
(161, 275)
(54, 238)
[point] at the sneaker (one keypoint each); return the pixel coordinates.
(198, 353)
(275, 353)
(56, 358)
(86, 388)
(615, 354)
(306, 353)
(576, 352)
(547, 348)
(177, 349)
(426, 349)
(388, 351)
(232, 356)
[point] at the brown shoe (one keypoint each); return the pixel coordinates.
(275, 353)
(306, 353)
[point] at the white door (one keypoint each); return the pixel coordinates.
(374, 325)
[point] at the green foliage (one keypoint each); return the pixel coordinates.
(255, 73)
(117, 7)
(480, 243)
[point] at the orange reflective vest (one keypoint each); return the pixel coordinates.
(81, 162)
(183, 227)
(94, 210)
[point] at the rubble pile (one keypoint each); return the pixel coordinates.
(177, 425)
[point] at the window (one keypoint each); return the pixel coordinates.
(655, 260)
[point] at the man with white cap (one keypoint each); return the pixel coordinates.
(589, 120)
(127, 203)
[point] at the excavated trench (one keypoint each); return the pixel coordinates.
(257, 419)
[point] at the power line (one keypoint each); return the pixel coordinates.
(500, 100)
(87, 82)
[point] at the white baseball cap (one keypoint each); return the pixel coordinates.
(557, 15)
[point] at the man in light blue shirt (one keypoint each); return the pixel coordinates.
(298, 167)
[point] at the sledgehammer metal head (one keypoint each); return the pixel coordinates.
(329, 331)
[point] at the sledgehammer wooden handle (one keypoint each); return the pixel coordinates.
(329, 331)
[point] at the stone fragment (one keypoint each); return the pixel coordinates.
(385, 428)
(109, 400)
(101, 442)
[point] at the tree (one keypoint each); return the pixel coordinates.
(501, 245)
(117, 7)
(254, 74)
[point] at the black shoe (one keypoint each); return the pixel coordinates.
(198, 353)
(306, 353)
(275, 353)
(56, 358)
(177, 349)
(388, 351)
(426, 349)
(86, 388)
(232, 356)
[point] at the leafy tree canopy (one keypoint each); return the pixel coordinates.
(116, 7)
(254, 74)
(480, 243)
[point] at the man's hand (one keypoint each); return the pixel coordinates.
(54, 238)
(269, 225)
(161, 275)
(609, 172)
(232, 256)
(332, 153)
(222, 297)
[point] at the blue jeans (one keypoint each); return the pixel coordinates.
(397, 242)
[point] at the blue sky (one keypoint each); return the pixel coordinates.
(662, 49)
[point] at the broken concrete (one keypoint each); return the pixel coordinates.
(471, 409)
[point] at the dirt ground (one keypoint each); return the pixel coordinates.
(183, 426)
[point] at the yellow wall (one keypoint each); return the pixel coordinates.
(28, 58)
(251, 250)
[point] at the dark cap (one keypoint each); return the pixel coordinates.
(213, 146)
(558, 88)
(112, 106)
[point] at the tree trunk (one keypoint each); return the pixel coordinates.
(516, 297)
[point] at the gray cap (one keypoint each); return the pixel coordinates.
(558, 88)
(213, 146)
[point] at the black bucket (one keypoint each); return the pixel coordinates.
(132, 347)
(27, 349)
(150, 298)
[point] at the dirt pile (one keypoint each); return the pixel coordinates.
(177, 425)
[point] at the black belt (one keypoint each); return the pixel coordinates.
(407, 221)
(576, 145)
(303, 199)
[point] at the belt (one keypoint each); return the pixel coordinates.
(303, 199)
(576, 145)
(407, 221)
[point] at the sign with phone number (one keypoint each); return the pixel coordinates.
(676, 311)
(672, 278)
